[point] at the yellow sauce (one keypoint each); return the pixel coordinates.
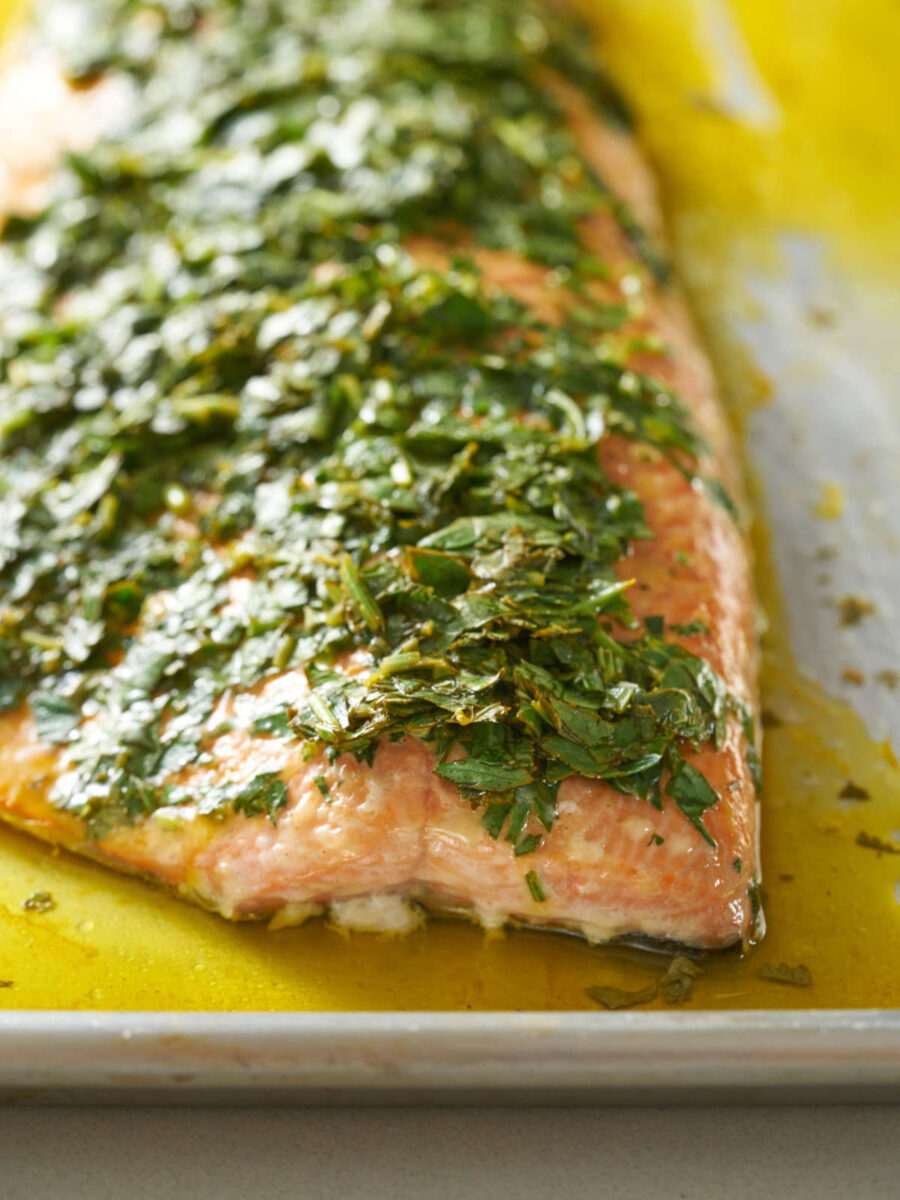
(814, 149)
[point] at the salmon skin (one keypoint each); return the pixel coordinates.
(370, 538)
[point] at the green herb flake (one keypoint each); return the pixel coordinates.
(494, 818)
(39, 902)
(263, 795)
(853, 791)
(359, 595)
(693, 795)
(718, 493)
(322, 784)
(535, 886)
(691, 629)
(55, 717)
(527, 844)
(273, 724)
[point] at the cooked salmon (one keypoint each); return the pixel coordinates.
(377, 838)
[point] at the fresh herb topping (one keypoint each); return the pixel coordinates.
(243, 432)
(535, 886)
(322, 784)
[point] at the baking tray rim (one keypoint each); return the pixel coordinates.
(445, 1056)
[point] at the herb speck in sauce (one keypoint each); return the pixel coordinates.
(853, 609)
(39, 902)
(798, 976)
(870, 841)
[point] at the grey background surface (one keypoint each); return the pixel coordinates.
(829, 1153)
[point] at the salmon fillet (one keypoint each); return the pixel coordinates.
(376, 832)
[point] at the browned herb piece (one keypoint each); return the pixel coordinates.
(853, 791)
(613, 997)
(853, 609)
(870, 841)
(798, 976)
(39, 902)
(675, 986)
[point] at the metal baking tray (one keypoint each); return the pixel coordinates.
(798, 439)
(806, 434)
(443, 1058)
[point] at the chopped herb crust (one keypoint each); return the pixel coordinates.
(220, 364)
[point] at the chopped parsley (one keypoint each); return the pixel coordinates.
(322, 784)
(535, 886)
(223, 374)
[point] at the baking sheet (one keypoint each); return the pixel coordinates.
(443, 1058)
(822, 334)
